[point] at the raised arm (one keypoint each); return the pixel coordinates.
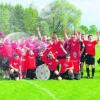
(65, 33)
(97, 36)
(39, 33)
(63, 49)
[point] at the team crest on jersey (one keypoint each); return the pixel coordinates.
(89, 44)
(73, 44)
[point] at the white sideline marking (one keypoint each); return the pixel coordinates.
(42, 89)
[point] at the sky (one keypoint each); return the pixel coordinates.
(90, 8)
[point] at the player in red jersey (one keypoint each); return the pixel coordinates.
(7, 54)
(53, 65)
(90, 46)
(67, 69)
(30, 64)
(58, 48)
(14, 65)
(67, 42)
(75, 51)
(75, 48)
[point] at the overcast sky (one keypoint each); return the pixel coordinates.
(90, 8)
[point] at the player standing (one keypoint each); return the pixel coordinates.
(90, 46)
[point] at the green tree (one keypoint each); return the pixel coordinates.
(92, 29)
(30, 19)
(83, 29)
(61, 14)
(16, 18)
(4, 18)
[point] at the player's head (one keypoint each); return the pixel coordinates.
(74, 37)
(44, 38)
(31, 52)
(90, 37)
(48, 41)
(68, 57)
(40, 54)
(16, 56)
(54, 37)
(82, 36)
(50, 55)
(23, 52)
(7, 41)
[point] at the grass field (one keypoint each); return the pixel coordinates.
(84, 89)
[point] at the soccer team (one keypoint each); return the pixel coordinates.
(65, 58)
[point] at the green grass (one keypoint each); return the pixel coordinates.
(84, 89)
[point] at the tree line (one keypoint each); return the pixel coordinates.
(55, 17)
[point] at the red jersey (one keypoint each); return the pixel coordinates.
(52, 48)
(15, 63)
(67, 45)
(52, 64)
(14, 45)
(7, 50)
(75, 50)
(58, 46)
(65, 64)
(90, 47)
(23, 63)
(76, 65)
(45, 54)
(30, 62)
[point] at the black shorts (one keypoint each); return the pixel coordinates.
(61, 57)
(64, 75)
(98, 61)
(30, 74)
(14, 75)
(39, 61)
(53, 75)
(67, 76)
(77, 76)
(90, 60)
(83, 58)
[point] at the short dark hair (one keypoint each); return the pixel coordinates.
(89, 35)
(82, 34)
(54, 32)
(15, 55)
(67, 55)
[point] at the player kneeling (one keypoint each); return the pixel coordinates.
(14, 68)
(66, 71)
(14, 74)
(53, 65)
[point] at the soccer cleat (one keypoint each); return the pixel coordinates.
(88, 77)
(81, 74)
(59, 78)
(92, 77)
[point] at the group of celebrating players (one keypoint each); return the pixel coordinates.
(64, 58)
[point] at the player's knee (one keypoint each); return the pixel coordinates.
(56, 72)
(70, 72)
